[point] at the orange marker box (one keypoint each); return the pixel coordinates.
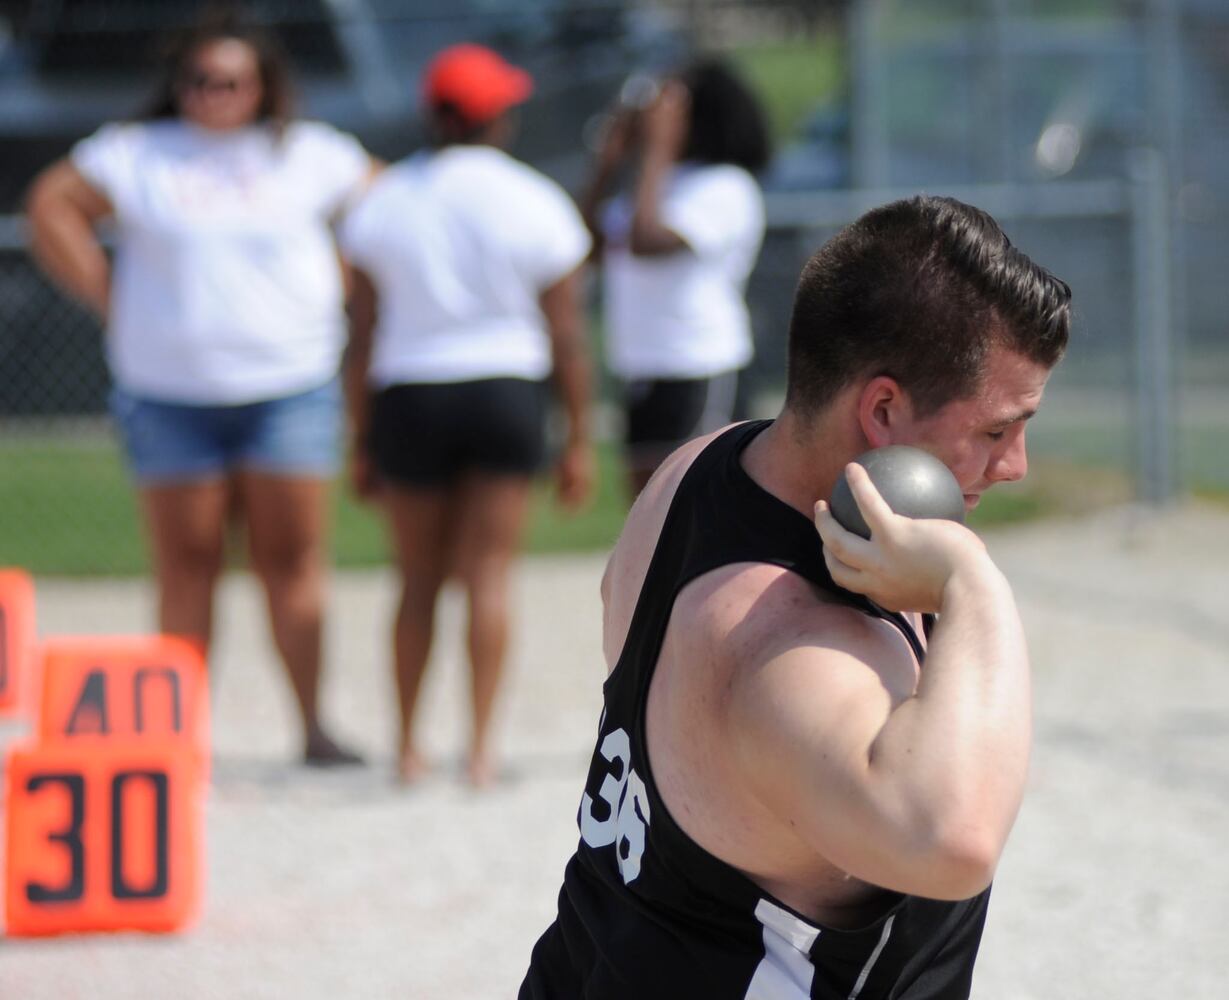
(138, 687)
(108, 840)
(17, 635)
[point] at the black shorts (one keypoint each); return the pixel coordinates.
(427, 434)
(664, 413)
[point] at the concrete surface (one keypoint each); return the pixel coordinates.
(340, 885)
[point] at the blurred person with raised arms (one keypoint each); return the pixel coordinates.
(465, 310)
(677, 251)
(814, 745)
(224, 327)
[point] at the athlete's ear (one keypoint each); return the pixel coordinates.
(883, 411)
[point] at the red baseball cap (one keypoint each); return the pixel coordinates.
(475, 80)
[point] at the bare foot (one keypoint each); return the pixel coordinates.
(412, 767)
(321, 750)
(481, 772)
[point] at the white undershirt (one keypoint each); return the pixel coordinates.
(226, 287)
(460, 243)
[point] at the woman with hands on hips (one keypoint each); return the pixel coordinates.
(677, 250)
(224, 327)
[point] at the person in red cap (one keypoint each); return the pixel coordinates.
(474, 84)
(465, 309)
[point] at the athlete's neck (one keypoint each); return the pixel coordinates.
(798, 460)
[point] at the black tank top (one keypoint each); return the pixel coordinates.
(645, 912)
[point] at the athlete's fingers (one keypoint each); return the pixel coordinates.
(875, 510)
(839, 542)
(844, 575)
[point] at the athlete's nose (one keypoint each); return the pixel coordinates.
(1011, 464)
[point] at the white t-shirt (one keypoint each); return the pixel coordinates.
(227, 287)
(459, 244)
(682, 315)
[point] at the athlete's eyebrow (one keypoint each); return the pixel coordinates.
(1017, 417)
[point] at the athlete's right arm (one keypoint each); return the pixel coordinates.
(907, 780)
(62, 208)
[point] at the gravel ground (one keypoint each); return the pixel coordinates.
(331, 885)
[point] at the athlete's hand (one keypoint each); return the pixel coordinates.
(575, 474)
(906, 563)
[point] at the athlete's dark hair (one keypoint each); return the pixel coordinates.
(222, 23)
(919, 290)
(727, 121)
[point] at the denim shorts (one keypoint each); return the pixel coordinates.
(297, 435)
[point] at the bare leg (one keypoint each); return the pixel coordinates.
(491, 523)
(186, 525)
(286, 537)
(421, 525)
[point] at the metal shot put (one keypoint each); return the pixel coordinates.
(912, 482)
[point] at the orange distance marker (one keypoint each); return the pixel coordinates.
(17, 636)
(139, 687)
(106, 840)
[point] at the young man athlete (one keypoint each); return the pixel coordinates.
(803, 779)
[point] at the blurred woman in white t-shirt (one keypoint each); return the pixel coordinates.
(224, 327)
(676, 250)
(465, 314)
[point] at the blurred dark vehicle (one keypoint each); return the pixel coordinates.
(67, 66)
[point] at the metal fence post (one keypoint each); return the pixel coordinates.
(1154, 404)
(1164, 69)
(869, 95)
(996, 154)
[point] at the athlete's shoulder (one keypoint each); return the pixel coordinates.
(629, 560)
(655, 499)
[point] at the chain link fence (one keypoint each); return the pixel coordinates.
(1113, 172)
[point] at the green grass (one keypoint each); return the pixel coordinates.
(593, 529)
(69, 509)
(66, 506)
(793, 77)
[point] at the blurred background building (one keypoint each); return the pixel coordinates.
(1097, 131)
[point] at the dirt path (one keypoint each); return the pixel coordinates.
(1116, 883)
